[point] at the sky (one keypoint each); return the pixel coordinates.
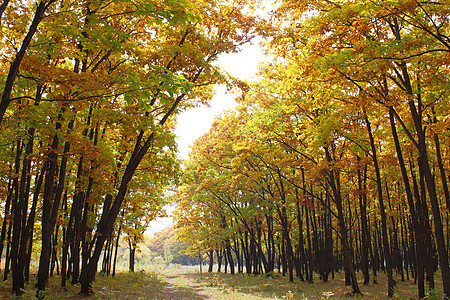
(196, 121)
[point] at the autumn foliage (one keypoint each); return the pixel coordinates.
(90, 94)
(338, 157)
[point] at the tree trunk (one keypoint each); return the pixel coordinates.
(441, 164)
(8, 252)
(219, 260)
(132, 247)
(6, 217)
(362, 196)
(51, 204)
(334, 182)
(386, 247)
(419, 246)
(301, 246)
(26, 251)
(115, 252)
(17, 211)
(211, 260)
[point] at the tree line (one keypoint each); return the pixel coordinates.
(90, 94)
(163, 250)
(338, 157)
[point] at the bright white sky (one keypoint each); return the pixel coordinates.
(196, 121)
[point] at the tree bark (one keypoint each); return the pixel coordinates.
(132, 247)
(211, 260)
(17, 211)
(334, 182)
(424, 165)
(384, 233)
(6, 217)
(51, 205)
(431, 187)
(363, 215)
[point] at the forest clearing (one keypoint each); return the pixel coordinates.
(330, 174)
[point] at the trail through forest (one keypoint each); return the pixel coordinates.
(181, 287)
(170, 292)
(332, 168)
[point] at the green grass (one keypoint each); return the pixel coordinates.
(242, 286)
(138, 285)
(184, 290)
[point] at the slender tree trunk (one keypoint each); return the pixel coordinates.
(422, 252)
(115, 252)
(219, 260)
(19, 208)
(230, 257)
(309, 272)
(65, 242)
(315, 242)
(6, 220)
(110, 255)
(26, 251)
(301, 246)
(132, 247)
(386, 247)
(363, 214)
(283, 256)
(225, 260)
(270, 243)
(329, 257)
(334, 182)
(8, 252)
(74, 228)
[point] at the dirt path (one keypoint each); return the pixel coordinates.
(197, 289)
(181, 287)
(170, 292)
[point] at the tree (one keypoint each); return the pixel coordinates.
(343, 71)
(93, 107)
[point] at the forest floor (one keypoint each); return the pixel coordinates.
(242, 286)
(219, 286)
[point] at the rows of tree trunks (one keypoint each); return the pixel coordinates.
(250, 213)
(322, 255)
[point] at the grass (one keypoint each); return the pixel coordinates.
(242, 286)
(183, 288)
(138, 285)
(186, 283)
